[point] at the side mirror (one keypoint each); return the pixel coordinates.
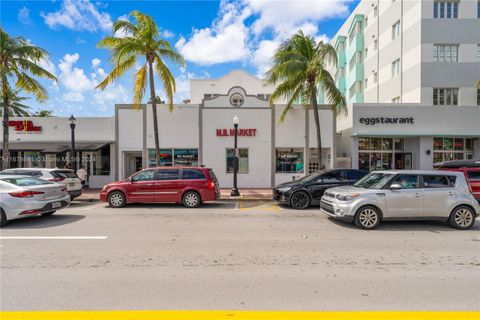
(396, 186)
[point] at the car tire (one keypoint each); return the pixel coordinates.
(3, 218)
(46, 214)
(116, 199)
(300, 200)
(368, 218)
(462, 217)
(191, 199)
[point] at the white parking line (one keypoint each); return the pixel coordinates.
(53, 237)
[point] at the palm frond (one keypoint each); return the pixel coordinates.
(118, 71)
(168, 80)
(140, 85)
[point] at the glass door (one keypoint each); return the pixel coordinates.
(403, 161)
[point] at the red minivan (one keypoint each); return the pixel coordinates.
(188, 185)
(471, 170)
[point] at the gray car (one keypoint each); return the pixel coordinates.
(404, 195)
(22, 197)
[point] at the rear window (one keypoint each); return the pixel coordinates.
(438, 181)
(213, 176)
(192, 174)
(25, 181)
(63, 174)
(167, 174)
(473, 175)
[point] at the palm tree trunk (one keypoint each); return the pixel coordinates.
(154, 109)
(313, 99)
(6, 152)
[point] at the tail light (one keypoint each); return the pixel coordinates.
(211, 185)
(56, 179)
(25, 194)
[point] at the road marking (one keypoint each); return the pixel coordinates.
(53, 237)
(238, 315)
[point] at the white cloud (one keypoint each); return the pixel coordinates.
(24, 16)
(48, 65)
(73, 97)
(283, 16)
(114, 93)
(96, 62)
(262, 56)
(166, 33)
(80, 41)
(78, 15)
(73, 78)
(225, 41)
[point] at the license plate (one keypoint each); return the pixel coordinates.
(56, 205)
(71, 184)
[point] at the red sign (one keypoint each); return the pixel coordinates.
(24, 126)
(241, 132)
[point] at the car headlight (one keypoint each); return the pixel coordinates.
(284, 189)
(346, 196)
(105, 187)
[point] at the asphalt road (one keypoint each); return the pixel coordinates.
(236, 256)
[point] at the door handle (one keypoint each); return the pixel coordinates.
(417, 195)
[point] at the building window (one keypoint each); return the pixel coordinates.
(478, 52)
(375, 45)
(356, 59)
(101, 161)
(395, 68)
(366, 53)
(366, 21)
(375, 77)
(174, 157)
(445, 96)
(445, 52)
(366, 83)
(478, 9)
(445, 9)
(478, 97)
(242, 160)
(396, 30)
(396, 100)
(289, 160)
(355, 89)
(375, 11)
(446, 149)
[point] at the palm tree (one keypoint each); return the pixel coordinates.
(142, 40)
(300, 65)
(43, 113)
(18, 63)
(16, 108)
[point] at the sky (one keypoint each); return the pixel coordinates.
(214, 37)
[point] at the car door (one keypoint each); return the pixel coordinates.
(324, 181)
(473, 177)
(407, 201)
(166, 185)
(439, 195)
(141, 186)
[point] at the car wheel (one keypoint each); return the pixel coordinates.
(368, 218)
(462, 217)
(3, 218)
(300, 200)
(46, 214)
(191, 199)
(116, 199)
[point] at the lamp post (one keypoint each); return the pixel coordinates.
(73, 151)
(236, 155)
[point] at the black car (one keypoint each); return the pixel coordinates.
(302, 193)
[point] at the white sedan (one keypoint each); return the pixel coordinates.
(22, 196)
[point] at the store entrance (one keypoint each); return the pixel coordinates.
(133, 163)
(403, 161)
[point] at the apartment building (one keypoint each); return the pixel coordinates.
(409, 59)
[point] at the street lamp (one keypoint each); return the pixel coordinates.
(73, 155)
(236, 155)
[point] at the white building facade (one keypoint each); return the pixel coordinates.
(197, 133)
(415, 60)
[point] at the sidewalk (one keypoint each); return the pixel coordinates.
(90, 195)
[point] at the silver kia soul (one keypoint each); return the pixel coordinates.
(404, 195)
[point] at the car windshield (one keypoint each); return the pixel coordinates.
(374, 180)
(25, 181)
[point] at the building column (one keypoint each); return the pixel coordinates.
(354, 153)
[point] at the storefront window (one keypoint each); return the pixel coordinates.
(363, 143)
(186, 157)
(378, 153)
(101, 162)
(447, 149)
(386, 144)
(289, 160)
(375, 143)
(399, 144)
(242, 160)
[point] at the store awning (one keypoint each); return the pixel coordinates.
(57, 147)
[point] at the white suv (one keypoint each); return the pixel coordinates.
(404, 195)
(65, 177)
